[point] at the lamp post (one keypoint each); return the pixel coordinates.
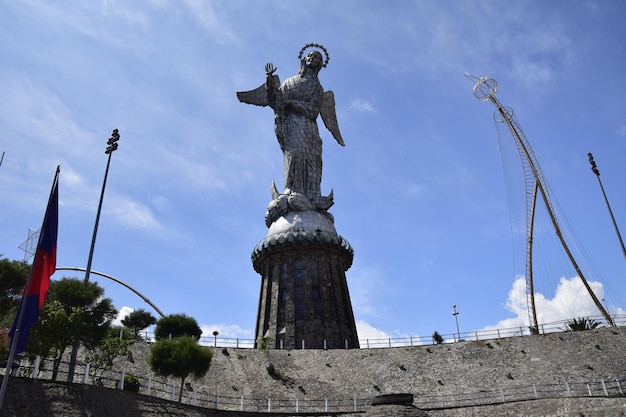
(112, 146)
(215, 333)
(606, 306)
(456, 318)
(595, 170)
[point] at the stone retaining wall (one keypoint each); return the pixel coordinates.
(448, 369)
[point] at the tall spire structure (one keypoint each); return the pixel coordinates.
(485, 89)
(304, 300)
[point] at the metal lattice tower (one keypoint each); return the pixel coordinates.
(29, 246)
(485, 90)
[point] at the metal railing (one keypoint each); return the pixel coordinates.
(168, 390)
(163, 388)
(486, 334)
(603, 388)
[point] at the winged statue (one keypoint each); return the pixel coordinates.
(296, 103)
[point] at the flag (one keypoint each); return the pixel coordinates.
(44, 265)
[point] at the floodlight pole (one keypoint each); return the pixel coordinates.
(112, 146)
(595, 170)
(112, 142)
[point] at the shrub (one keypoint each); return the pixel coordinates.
(131, 383)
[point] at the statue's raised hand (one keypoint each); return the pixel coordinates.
(270, 69)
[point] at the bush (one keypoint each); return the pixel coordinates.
(180, 358)
(177, 325)
(581, 324)
(5, 342)
(131, 383)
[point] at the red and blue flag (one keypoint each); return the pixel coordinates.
(44, 265)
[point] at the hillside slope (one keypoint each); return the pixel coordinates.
(310, 376)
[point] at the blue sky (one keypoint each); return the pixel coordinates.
(420, 188)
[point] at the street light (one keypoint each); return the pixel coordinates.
(456, 314)
(112, 146)
(595, 170)
(215, 333)
(606, 306)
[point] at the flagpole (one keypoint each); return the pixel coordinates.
(22, 307)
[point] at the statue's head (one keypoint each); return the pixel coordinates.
(313, 61)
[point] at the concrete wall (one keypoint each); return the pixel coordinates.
(448, 369)
(592, 355)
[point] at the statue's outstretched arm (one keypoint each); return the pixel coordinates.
(264, 95)
(270, 69)
(272, 83)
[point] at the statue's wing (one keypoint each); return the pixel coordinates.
(329, 117)
(258, 96)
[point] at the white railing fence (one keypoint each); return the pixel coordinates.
(39, 368)
(604, 388)
(485, 334)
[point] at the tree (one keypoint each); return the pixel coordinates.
(138, 320)
(98, 311)
(51, 335)
(78, 314)
(437, 338)
(180, 358)
(101, 357)
(580, 324)
(177, 325)
(5, 343)
(13, 275)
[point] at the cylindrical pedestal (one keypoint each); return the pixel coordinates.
(304, 300)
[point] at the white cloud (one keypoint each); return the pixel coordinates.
(571, 300)
(365, 284)
(133, 214)
(367, 331)
(225, 331)
(236, 333)
(362, 106)
(208, 19)
(33, 114)
(228, 331)
(121, 315)
(371, 337)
